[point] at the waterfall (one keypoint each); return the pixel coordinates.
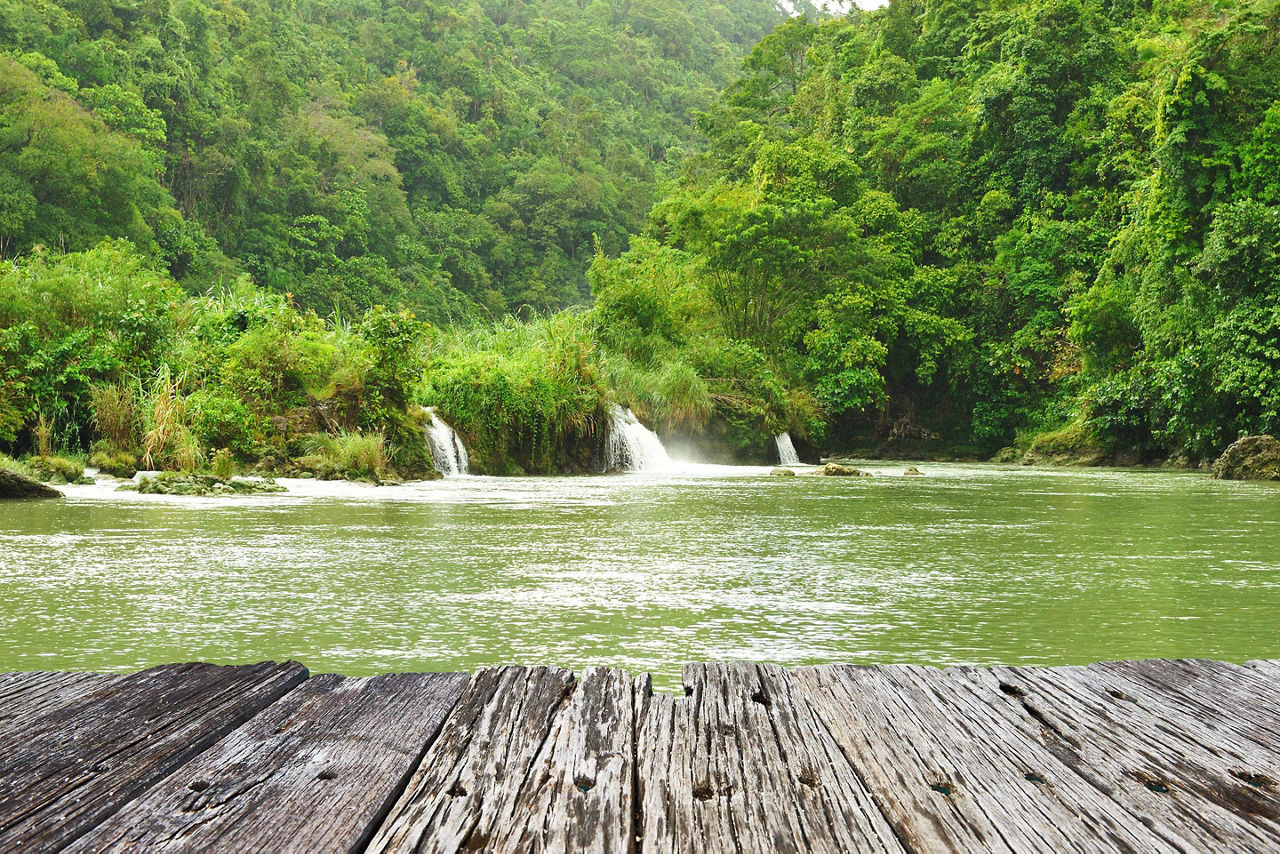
(447, 450)
(631, 446)
(787, 455)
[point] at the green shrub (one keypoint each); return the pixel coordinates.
(55, 469)
(223, 464)
(220, 420)
(117, 464)
(347, 456)
(523, 396)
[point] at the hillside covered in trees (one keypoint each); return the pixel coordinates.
(977, 219)
(938, 227)
(424, 152)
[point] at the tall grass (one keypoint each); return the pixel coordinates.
(345, 454)
(521, 394)
(115, 413)
(168, 442)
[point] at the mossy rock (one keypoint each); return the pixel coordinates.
(173, 483)
(1250, 458)
(17, 485)
(781, 472)
(56, 469)
(1072, 445)
(120, 464)
(913, 472)
(837, 470)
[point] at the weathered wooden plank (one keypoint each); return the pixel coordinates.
(1267, 667)
(1136, 758)
(315, 771)
(468, 786)
(952, 772)
(742, 764)
(579, 793)
(1213, 687)
(26, 696)
(78, 764)
(1224, 714)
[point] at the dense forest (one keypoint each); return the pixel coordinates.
(263, 232)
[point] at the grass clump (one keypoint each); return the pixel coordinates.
(55, 469)
(115, 463)
(347, 456)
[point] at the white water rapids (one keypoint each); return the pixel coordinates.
(631, 446)
(447, 450)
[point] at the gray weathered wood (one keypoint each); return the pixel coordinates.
(77, 764)
(469, 785)
(579, 792)
(316, 771)
(1135, 757)
(1268, 668)
(24, 697)
(741, 763)
(951, 772)
(1233, 721)
(1150, 756)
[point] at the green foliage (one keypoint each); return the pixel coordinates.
(347, 456)
(420, 154)
(522, 395)
(976, 219)
(995, 219)
(56, 469)
(69, 323)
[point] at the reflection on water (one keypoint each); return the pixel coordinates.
(976, 564)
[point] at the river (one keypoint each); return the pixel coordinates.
(968, 564)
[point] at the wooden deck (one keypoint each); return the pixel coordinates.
(1145, 755)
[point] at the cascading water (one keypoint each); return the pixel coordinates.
(447, 450)
(631, 446)
(787, 455)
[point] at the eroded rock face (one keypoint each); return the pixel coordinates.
(14, 485)
(1250, 458)
(837, 470)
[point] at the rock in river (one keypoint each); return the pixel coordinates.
(15, 485)
(1250, 458)
(837, 470)
(782, 472)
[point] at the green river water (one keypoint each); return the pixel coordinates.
(968, 564)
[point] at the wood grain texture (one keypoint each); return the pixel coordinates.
(579, 794)
(1239, 719)
(1269, 668)
(742, 764)
(24, 697)
(952, 772)
(80, 763)
(1138, 758)
(316, 771)
(1143, 756)
(467, 789)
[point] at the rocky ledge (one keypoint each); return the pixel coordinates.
(15, 485)
(1250, 458)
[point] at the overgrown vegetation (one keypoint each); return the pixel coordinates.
(249, 237)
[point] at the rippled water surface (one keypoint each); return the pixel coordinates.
(969, 564)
